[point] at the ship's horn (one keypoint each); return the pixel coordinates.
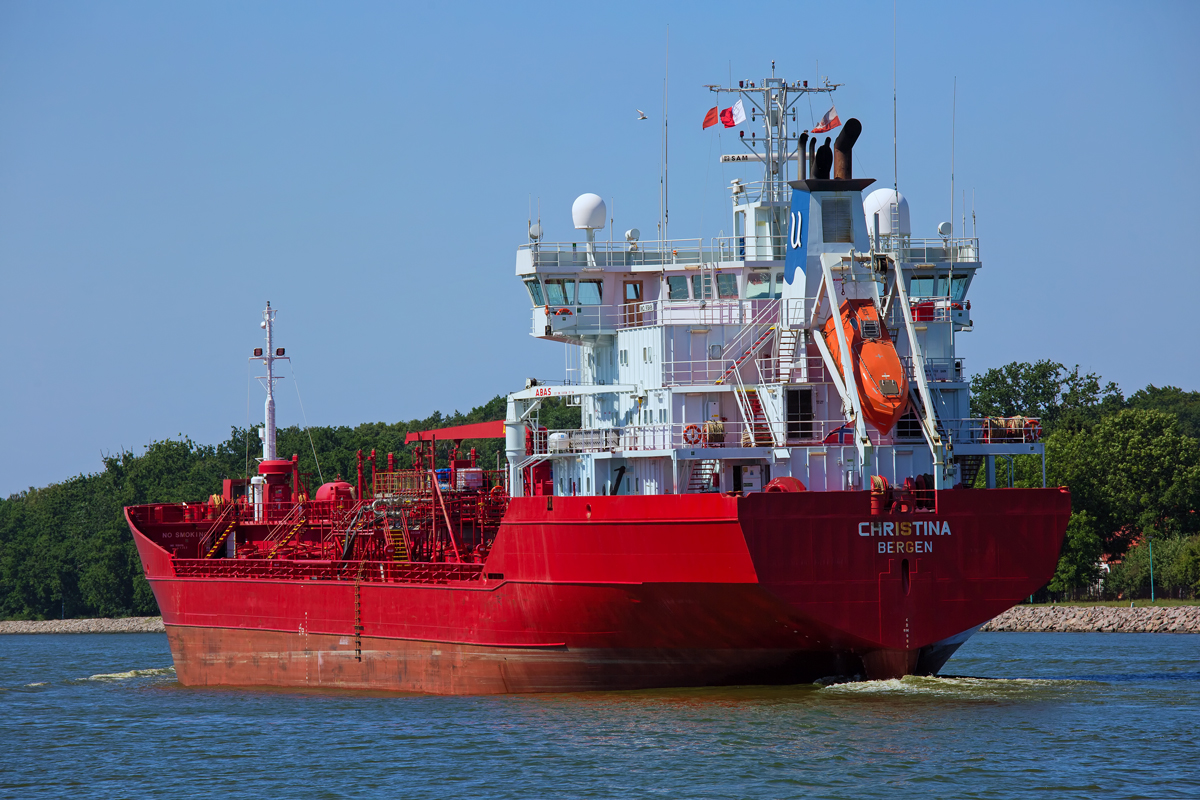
(843, 158)
(801, 155)
(824, 161)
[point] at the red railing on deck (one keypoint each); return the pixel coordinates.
(365, 571)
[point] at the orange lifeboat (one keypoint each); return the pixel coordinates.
(880, 377)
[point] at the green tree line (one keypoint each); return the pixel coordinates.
(1133, 468)
(66, 551)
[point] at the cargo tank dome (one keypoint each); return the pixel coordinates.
(334, 490)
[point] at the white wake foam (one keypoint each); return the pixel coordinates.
(133, 673)
(915, 685)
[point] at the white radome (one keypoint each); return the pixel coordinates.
(589, 211)
(880, 201)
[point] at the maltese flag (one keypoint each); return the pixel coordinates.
(829, 121)
(734, 116)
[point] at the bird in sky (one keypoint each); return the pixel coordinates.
(641, 114)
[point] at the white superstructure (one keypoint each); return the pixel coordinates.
(698, 364)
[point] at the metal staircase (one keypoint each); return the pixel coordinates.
(399, 545)
(969, 466)
(221, 539)
(750, 351)
(788, 339)
(292, 531)
(757, 432)
(229, 514)
(701, 475)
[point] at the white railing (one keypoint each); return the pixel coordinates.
(937, 370)
(576, 319)
(575, 255)
(927, 251)
(795, 433)
(757, 191)
(931, 309)
(999, 430)
(680, 435)
(672, 252)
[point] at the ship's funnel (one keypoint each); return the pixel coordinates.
(824, 161)
(843, 158)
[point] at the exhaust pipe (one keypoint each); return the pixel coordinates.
(802, 152)
(824, 160)
(843, 157)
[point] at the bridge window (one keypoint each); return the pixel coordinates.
(778, 285)
(938, 285)
(560, 291)
(535, 292)
(727, 285)
(758, 285)
(677, 287)
(590, 292)
(702, 287)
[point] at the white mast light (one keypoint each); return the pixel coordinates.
(269, 356)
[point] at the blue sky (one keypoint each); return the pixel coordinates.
(167, 168)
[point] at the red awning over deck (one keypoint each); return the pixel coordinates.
(479, 430)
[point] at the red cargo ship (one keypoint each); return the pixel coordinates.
(768, 484)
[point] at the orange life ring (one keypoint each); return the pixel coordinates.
(563, 312)
(498, 493)
(692, 434)
(1033, 430)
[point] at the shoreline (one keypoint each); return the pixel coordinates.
(1019, 619)
(96, 625)
(1096, 619)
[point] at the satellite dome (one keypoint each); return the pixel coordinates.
(880, 202)
(589, 211)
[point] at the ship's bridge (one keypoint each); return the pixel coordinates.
(697, 361)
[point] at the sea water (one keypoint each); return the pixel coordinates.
(1028, 715)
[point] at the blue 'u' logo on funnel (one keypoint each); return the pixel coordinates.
(797, 250)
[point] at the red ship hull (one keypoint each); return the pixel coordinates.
(583, 593)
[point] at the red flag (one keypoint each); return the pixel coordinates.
(828, 122)
(711, 118)
(727, 118)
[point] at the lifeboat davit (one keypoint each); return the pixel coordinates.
(880, 377)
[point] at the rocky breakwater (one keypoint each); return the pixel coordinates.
(123, 625)
(1092, 619)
